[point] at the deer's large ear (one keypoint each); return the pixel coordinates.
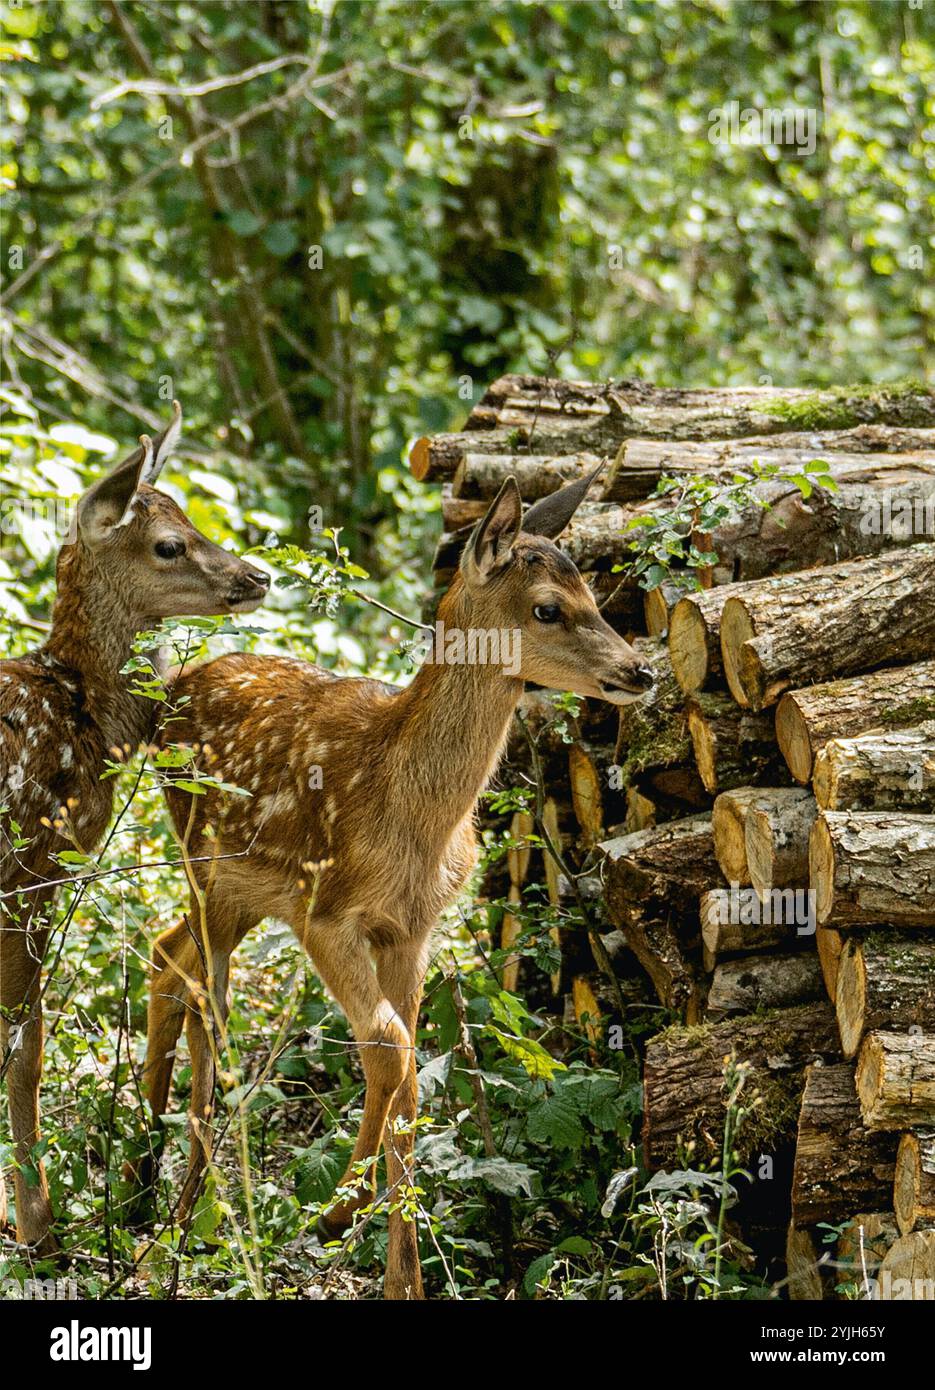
(491, 545)
(550, 516)
(108, 504)
(164, 443)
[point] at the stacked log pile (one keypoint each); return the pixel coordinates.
(763, 825)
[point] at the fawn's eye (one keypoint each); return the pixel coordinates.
(170, 550)
(547, 612)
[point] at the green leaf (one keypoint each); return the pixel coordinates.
(244, 223)
(555, 1121)
(280, 238)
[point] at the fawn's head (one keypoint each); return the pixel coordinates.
(147, 544)
(517, 579)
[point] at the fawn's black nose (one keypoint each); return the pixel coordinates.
(644, 677)
(257, 578)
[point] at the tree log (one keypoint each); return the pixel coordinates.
(889, 770)
(732, 746)
(907, 1270)
(695, 638)
(862, 1246)
(545, 421)
(653, 732)
(871, 510)
(914, 1183)
(836, 620)
(806, 1274)
(886, 983)
(898, 697)
(763, 982)
(538, 475)
(652, 882)
(587, 786)
(683, 1083)
(721, 935)
(640, 464)
(728, 819)
(896, 1080)
(776, 832)
(868, 867)
(458, 513)
(658, 604)
(839, 1166)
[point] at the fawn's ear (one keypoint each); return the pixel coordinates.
(489, 549)
(109, 503)
(550, 516)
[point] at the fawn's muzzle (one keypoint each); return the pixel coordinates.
(249, 590)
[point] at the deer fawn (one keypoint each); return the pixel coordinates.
(359, 828)
(135, 558)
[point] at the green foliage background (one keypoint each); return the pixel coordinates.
(392, 204)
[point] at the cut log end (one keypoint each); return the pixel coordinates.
(914, 1183)
(688, 647)
(736, 629)
(420, 459)
(704, 744)
(794, 742)
(851, 998)
(821, 869)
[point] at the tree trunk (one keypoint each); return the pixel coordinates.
(763, 982)
(840, 1167)
(732, 746)
(868, 867)
(898, 697)
(891, 770)
(728, 819)
(683, 1083)
(776, 830)
(896, 1080)
(914, 1183)
(832, 621)
(695, 638)
(886, 983)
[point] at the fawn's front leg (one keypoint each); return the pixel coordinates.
(22, 949)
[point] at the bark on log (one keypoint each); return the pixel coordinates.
(898, 697)
(776, 833)
(907, 1270)
(727, 824)
(896, 1080)
(833, 621)
(695, 638)
(914, 1183)
(722, 933)
(871, 510)
(763, 982)
(683, 1082)
(873, 867)
(887, 770)
(640, 464)
(886, 983)
(732, 746)
(839, 1166)
(653, 733)
(652, 882)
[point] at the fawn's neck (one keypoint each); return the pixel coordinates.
(93, 628)
(456, 718)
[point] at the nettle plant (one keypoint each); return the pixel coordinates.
(664, 542)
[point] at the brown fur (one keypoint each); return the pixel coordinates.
(391, 825)
(62, 709)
